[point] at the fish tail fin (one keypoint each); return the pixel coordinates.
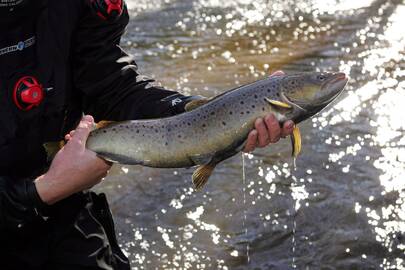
(201, 175)
(51, 148)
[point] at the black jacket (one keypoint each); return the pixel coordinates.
(77, 58)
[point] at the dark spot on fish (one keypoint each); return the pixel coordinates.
(223, 123)
(247, 112)
(105, 131)
(127, 126)
(242, 102)
(189, 124)
(212, 113)
(253, 106)
(278, 94)
(157, 131)
(175, 125)
(169, 129)
(256, 96)
(262, 108)
(166, 143)
(242, 113)
(137, 131)
(114, 129)
(198, 114)
(230, 113)
(204, 125)
(179, 136)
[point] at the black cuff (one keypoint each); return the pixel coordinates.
(33, 197)
(177, 102)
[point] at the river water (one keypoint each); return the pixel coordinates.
(343, 207)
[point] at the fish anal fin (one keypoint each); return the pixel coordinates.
(116, 158)
(201, 175)
(296, 141)
(104, 123)
(195, 104)
(278, 104)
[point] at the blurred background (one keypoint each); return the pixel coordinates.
(343, 207)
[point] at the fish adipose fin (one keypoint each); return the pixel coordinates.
(104, 123)
(278, 104)
(201, 175)
(196, 103)
(296, 141)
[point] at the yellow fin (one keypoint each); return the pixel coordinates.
(195, 104)
(296, 141)
(104, 123)
(201, 175)
(278, 103)
(52, 148)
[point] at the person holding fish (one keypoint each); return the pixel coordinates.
(58, 61)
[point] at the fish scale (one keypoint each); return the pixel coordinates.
(217, 128)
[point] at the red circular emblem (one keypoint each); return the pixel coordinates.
(28, 93)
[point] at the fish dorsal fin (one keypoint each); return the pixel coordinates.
(196, 103)
(104, 123)
(278, 104)
(296, 141)
(201, 175)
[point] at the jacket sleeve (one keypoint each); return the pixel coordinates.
(107, 77)
(20, 204)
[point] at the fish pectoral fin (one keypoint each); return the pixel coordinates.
(52, 148)
(278, 104)
(201, 175)
(104, 123)
(296, 141)
(201, 159)
(196, 103)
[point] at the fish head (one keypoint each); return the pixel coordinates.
(309, 93)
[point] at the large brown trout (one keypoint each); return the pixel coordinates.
(214, 130)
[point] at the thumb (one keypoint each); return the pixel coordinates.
(83, 129)
(277, 73)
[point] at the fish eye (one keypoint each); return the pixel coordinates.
(321, 77)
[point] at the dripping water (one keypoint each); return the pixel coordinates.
(294, 214)
(244, 208)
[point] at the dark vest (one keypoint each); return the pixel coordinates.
(46, 57)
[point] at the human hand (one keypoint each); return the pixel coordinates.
(267, 130)
(74, 167)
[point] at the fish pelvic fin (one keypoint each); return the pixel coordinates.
(296, 141)
(201, 175)
(278, 104)
(196, 103)
(104, 123)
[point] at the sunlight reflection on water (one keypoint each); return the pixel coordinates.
(349, 191)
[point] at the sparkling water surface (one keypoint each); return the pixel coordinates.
(343, 207)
